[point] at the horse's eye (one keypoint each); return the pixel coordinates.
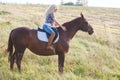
(86, 23)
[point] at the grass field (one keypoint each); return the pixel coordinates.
(95, 57)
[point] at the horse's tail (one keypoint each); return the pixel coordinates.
(10, 47)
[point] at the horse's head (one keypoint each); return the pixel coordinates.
(84, 25)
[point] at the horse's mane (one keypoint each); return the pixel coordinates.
(71, 23)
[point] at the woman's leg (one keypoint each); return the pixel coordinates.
(50, 40)
(49, 30)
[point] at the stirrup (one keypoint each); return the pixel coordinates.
(52, 48)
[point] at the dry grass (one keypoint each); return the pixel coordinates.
(95, 57)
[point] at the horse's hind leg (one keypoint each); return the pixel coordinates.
(19, 56)
(12, 60)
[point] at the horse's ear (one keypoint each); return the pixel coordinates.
(82, 15)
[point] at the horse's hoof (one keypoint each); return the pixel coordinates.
(61, 73)
(60, 70)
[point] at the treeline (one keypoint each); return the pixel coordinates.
(73, 4)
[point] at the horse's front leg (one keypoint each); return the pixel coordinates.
(61, 58)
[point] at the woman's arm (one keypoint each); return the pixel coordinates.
(59, 24)
(56, 22)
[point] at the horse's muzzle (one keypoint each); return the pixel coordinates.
(90, 31)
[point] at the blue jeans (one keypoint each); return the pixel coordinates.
(48, 29)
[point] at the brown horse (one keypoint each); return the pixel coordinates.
(22, 38)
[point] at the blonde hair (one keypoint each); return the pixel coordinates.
(50, 9)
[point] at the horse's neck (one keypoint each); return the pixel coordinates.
(71, 33)
(71, 30)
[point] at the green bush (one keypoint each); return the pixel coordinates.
(4, 12)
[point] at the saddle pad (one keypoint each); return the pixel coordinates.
(43, 37)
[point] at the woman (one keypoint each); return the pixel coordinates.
(49, 22)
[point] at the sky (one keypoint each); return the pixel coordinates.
(96, 3)
(104, 3)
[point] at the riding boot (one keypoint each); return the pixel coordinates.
(50, 41)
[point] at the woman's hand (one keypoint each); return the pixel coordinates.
(64, 28)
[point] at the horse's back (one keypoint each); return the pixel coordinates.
(21, 30)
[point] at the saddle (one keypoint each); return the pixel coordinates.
(44, 36)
